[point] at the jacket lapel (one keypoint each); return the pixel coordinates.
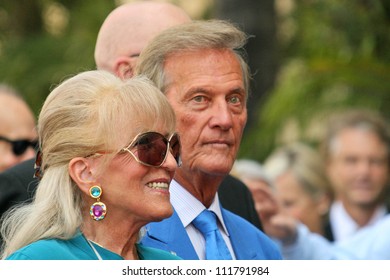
(242, 245)
(171, 236)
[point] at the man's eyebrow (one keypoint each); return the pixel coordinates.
(197, 90)
(134, 55)
(238, 90)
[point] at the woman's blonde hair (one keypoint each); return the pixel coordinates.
(85, 114)
(306, 165)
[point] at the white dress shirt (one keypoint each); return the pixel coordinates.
(370, 243)
(188, 208)
(343, 226)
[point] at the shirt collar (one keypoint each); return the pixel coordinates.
(188, 207)
(344, 226)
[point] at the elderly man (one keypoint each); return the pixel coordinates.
(199, 68)
(124, 33)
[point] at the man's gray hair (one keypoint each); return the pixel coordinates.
(195, 35)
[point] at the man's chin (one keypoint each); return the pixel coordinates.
(212, 163)
(222, 168)
(365, 200)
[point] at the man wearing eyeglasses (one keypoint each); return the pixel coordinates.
(17, 129)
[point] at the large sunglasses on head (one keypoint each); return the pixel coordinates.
(152, 148)
(20, 146)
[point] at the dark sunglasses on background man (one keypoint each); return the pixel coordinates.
(21, 145)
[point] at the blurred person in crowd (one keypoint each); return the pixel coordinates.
(253, 174)
(199, 67)
(297, 242)
(18, 136)
(369, 243)
(127, 30)
(301, 185)
(96, 192)
(124, 33)
(356, 151)
(364, 167)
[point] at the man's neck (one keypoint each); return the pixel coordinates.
(200, 185)
(362, 215)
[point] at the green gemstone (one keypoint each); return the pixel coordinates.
(95, 192)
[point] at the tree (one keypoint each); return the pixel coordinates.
(44, 41)
(336, 57)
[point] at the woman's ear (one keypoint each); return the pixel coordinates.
(81, 171)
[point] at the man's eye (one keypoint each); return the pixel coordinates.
(234, 99)
(199, 98)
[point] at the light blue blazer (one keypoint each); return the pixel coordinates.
(248, 242)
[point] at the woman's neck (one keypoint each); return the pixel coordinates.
(116, 237)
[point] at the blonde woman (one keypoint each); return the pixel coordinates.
(108, 154)
(300, 184)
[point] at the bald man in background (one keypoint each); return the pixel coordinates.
(128, 29)
(122, 36)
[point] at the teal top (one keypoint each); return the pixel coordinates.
(78, 248)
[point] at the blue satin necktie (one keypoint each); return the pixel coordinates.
(216, 249)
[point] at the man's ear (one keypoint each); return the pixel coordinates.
(124, 67)
(81, 171)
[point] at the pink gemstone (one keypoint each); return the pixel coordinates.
(97, 210)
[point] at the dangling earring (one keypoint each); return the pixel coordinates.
(98, 209)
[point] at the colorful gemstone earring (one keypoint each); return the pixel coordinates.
(98, 209)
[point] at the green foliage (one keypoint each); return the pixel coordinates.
(35, 63)
(336, 55)
(336, 59)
